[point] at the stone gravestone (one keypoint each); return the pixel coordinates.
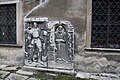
(49, 43)
(36, 42)
(61, 50)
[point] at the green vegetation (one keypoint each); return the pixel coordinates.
(42, 76)
(58, 77)
(67, 77)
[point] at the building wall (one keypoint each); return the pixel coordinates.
(74, 11)
(69, 10)
(79, 12)
(14, 54)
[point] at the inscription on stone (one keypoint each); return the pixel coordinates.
(49, 43)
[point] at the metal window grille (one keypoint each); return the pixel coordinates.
(105, 24)
(8, 24)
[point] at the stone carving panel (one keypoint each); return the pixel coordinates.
(49, 43)
(36, 42)
(61, 53)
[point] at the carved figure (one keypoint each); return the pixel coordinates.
(35, 43)
(61, 44)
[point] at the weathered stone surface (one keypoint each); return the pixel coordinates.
(83, 75)
(81, 67)
(89, 60)
(95, 67)
(13, 76)
(117, 70)
(10, 69)
(103, 62)
(98, 76)
(3, 66)
(79, 58)
(3, 74)
(24, 72)
(113, 63)
(32, 79)
(95, 64)
(52, 74)
(115, 79)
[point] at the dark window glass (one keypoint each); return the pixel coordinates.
(8, 24)
(105, 24)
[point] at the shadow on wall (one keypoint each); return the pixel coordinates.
(29, 4)
(69, 10)
(66, 10)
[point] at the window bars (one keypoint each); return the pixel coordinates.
(105, 24)
(8, 24)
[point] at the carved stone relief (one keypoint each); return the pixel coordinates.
(36, 42)
(49, 43)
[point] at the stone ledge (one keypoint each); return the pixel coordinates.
(24, 72)
(9, 69)
(102, 49)
(28, 68)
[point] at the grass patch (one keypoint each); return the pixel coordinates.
(58, 77)
(42, 76)
(67, 77)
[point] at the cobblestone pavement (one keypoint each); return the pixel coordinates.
(16, 73)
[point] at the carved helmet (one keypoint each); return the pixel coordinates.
(35, 24)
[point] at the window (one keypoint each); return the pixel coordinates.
(105, 27)
(10, 23)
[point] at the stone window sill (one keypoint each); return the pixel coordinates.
(102, 49)
(11, 45)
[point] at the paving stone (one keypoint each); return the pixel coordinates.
(52, 74)
(98, 76)
(24, 72)
(83, 75)
(9, 69)
(3, 66)
(33, 79)
(115, 79)
(14, 76)
(3, 74)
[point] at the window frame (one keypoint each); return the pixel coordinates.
(19, 38)
(89, 29)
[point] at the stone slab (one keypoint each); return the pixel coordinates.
(14, 76)
(3, 66)
(32, 79)
(9, 69)
(83, 75)
(24, 72)
(98, 76)
(3, 74)
(26, 68)
(53, 64)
